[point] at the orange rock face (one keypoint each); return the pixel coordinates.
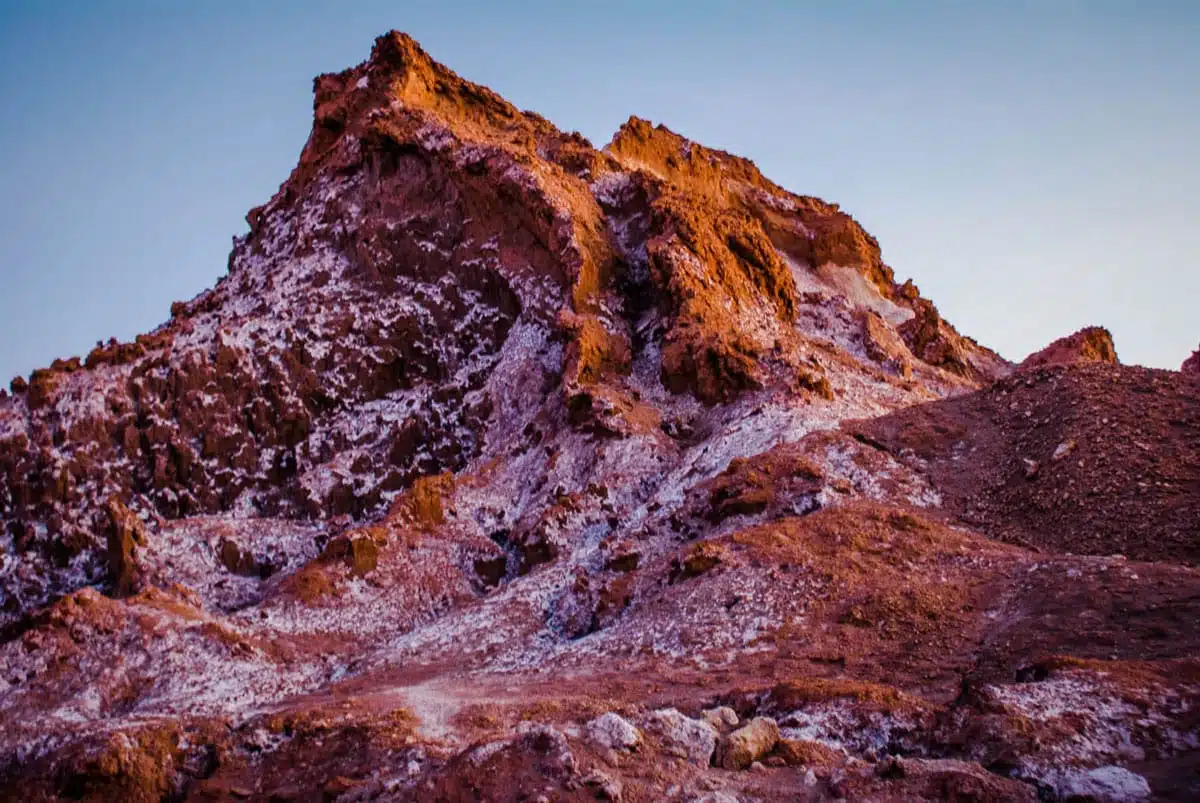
(1093, 344)
(501, 467)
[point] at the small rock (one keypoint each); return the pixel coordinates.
(236, 559)
(338, 785)
(748, 744)
(683, 736)
(552, 744)
(612, 757)
(604, 786)
(1063, 449)
(614, 732)
(1032, 467)
(723, 718)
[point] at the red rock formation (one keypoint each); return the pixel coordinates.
(1091, 344)
(500, 466)
(1192, 364)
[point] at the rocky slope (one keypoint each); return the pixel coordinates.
(502, 467)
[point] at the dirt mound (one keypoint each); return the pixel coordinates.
(1092, 459)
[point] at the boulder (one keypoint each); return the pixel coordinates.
(557, 760)
(748, 744)
(1109, 784)
(614, 732)
(683, 736)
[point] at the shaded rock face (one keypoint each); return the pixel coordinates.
(504, 467)
(342, 357)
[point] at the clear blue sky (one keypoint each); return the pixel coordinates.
(1032, 165)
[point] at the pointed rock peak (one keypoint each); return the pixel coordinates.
(1192, 364)
(399, 62)
(400, 100)
(401, 79)
(397, 51)
(416, 80)
(641, 144)
(1090, 344)
(637, 130)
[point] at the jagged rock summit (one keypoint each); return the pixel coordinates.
(1192, 364)
(1090, 344)
(492, 441)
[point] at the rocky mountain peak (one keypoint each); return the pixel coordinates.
(1192, 364)
(1090, 344)
(499, 464)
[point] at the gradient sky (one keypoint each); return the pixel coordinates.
(1033, 166)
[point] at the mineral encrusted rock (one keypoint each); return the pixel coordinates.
(614, 732)
(682, 736)
(504, 467)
